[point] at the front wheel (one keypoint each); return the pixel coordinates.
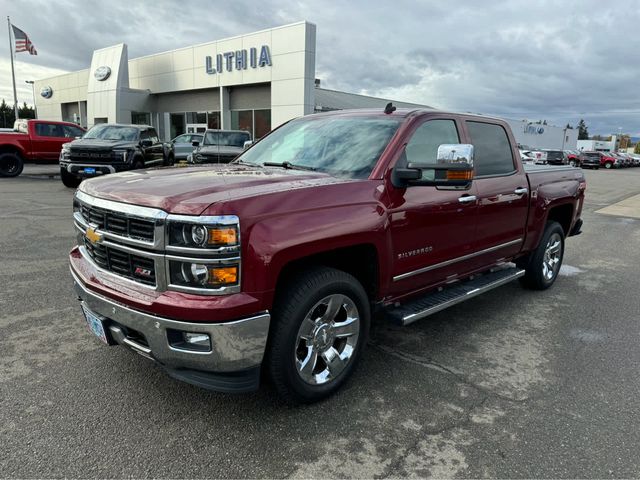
(68, 179)
(543, 264)
(320, 327)
(11, 165)
(572, 163)
(608, 165)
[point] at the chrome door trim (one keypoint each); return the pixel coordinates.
(402, 276)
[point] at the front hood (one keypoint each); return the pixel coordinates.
(98, 144)
(189, 191)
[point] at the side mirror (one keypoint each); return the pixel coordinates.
(247, 144)
(146, 143)
(453, 168)
(195, 143)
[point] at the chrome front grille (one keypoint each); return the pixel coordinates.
(125, 264)
(118, 223)
(131, 242)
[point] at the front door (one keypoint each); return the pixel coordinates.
(432, 228)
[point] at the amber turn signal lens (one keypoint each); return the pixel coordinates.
(459, 174)
(223, 276)
(223, 236)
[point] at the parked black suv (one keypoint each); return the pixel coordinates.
(556, 157)
(220, 146)
(109, 148)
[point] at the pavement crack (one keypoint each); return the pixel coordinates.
(459, 376)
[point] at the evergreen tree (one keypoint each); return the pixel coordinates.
(7, 115)
(26, 112)
(583, 131)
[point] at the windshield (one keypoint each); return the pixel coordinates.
(341, 146)
(226, 139)
(113, 132)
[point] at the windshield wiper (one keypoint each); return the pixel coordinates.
(288, 166)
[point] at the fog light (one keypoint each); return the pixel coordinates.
(189, 341)
(200, 339)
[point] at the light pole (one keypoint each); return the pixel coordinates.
(33, 91)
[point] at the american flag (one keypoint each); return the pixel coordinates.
(23, 44)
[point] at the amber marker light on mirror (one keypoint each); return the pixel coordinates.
(459, 174)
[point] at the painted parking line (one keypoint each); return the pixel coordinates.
(629, 207)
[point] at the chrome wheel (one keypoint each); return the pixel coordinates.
(552, 257)
(327, 339)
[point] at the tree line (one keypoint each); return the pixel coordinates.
(8, 116)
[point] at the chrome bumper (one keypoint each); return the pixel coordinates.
(235, 346)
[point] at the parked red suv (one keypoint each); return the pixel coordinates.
(34, 140)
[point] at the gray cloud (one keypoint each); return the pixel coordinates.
(537, 60)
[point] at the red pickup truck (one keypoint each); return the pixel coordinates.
(34, 140)
(276, 261)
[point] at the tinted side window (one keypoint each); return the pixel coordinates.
(492, 150)
(49, 130)
(423, 146)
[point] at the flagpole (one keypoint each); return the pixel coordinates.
(13, 72)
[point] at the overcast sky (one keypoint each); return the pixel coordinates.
(534, 59)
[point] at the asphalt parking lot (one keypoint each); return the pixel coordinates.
(510, 384)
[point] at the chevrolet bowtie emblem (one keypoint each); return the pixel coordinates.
(93, 236)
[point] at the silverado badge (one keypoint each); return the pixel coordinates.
(93, 236)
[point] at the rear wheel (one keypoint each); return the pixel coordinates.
(320, 326)
(543, 264)
(11, 165)
(68, 179)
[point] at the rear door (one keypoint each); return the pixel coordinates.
(432, 228)
(503, 192)
(47, 140)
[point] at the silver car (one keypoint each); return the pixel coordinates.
(183, 145)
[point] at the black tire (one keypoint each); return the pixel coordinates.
(608, 165)
(170, 161)
(69, 179)
(138, 163)
(11, 165)
(572, 163)
(298, 301)
(539, 276)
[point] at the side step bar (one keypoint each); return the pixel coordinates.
(436, 301)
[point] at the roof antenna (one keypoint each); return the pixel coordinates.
(389, 108)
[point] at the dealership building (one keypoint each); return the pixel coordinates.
(251, 82)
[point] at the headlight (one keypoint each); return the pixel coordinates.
(120, 155)
(201, 275)
(202, 236)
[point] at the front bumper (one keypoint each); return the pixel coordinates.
(232, 365)
(100, 168)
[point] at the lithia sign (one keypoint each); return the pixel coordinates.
(238, 60)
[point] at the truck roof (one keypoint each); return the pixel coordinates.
(403, 112)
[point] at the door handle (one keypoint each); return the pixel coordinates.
(520, 191)
(467, 199)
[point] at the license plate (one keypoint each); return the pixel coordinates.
(95, 324)
(90, 171)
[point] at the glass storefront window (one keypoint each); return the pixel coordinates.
(262, 121)
(196, 117)
(213, 120)
(242, 120)
(140, 118)
(177, 124)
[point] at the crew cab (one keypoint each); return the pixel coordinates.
(109, 148)
(34, 141)
(274, 263)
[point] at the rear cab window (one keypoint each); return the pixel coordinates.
(493, 154)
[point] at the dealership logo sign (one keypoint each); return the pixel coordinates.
(102, 73)
(533, 129)
(46, 92)
(238, 60)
